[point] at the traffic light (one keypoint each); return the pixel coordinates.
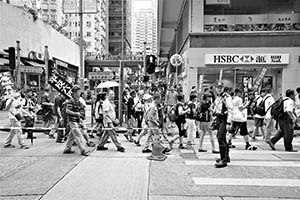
(12, 57)
(150, 64)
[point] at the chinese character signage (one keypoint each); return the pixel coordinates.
(259, 79)
(60, 84)
(241, 59)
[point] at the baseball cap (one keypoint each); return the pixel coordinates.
(147, 96)
(75, 88)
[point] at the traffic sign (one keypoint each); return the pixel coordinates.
(176, 60)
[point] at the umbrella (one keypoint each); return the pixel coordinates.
(108, 84)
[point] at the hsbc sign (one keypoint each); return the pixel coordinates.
(241, 59)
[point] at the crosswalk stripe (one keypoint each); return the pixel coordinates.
(247, 163)
(248, 182)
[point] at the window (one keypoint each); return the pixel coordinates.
(70, 24)
(75, 24)
(88, 34)
(70, 33)
(88, 24)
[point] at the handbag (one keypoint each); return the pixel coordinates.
(18, 116)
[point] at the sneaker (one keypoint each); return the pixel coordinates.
(9, 146)
(90, 144)
(24, 147)
(215, 152)
(227, 160)
(85, 153)
(202, 150)
(121, 149)
(221, 164)
(146, 151)
(271, 145)
(231, 146)
(137, 143)
(99, 148)
(68, 151)
(181, 147)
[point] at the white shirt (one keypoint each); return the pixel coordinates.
(109, 111)
(15, 107)
(238, 114)
(297, 101)
(288, 105)
(218, 105)
(269, 100)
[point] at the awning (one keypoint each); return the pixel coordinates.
(32, 63)
(4, 61)
(31, 69)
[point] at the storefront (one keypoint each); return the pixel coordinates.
(67, 70)
(32, 73)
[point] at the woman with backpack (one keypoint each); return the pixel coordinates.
(204, 117)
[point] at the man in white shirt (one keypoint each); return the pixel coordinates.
(297, 102)
(14, 107)
(109, 119)
(286, 123)
(269, 100)
(258, 119)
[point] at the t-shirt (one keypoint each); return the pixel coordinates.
(151, 115)
(204, 112)
(75, 106)
(179, 118)
(191, 114)
(238, 114)
(130, 105)
(109, 110)
(45, 98)
(15, 107)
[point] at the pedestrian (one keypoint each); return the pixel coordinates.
(239, 120)
(98, 113)
(258, 119)
(203, 117)
(190, 120)
(73, 108)
(57, 111)
(152, 120)
(15, 111)
(109, 119)
(47, 113)
(131, 116)
(286, 123)
(180, 111)
(269, 122)
(139, 109)
(29, 117)
(222, 109)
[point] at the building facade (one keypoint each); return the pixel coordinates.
(235, 40)
(115, 27)
(145, 30)
(94, 30)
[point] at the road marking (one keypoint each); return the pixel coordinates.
(248, 182)
(248, 163)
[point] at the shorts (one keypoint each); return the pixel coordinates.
(258, 122)
(240, 125)
(181, 129)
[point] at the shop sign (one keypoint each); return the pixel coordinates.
(219, 19)
(61, 63)
(241, 59)
(101, 75)
(217, 2)
(29, 69)
(60, 84)
(176, 60)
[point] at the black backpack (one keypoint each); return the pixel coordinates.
(260, 108)
(277, 109)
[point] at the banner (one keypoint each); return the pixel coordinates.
(60, 84)
(217, 2)
(259, 79)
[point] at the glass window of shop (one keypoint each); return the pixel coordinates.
(252, 15)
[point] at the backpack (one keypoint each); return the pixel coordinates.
(172, 114)
(260, 108)
(203, 112)
(277, 109)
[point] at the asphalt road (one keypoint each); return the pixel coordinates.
(43, 172)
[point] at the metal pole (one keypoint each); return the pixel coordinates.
(176, 75)
(81, 78)
(120, 114)
(46, 58)
(17, 70)
(144, 61)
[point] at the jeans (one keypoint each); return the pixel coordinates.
(221, 135)
(75, 134)
(269, 127)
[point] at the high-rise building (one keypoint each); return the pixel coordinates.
(94, 30)
(115, 26)
(51, 11)
(145, 27)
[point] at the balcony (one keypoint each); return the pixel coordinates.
(45, 18)
(53, 6)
